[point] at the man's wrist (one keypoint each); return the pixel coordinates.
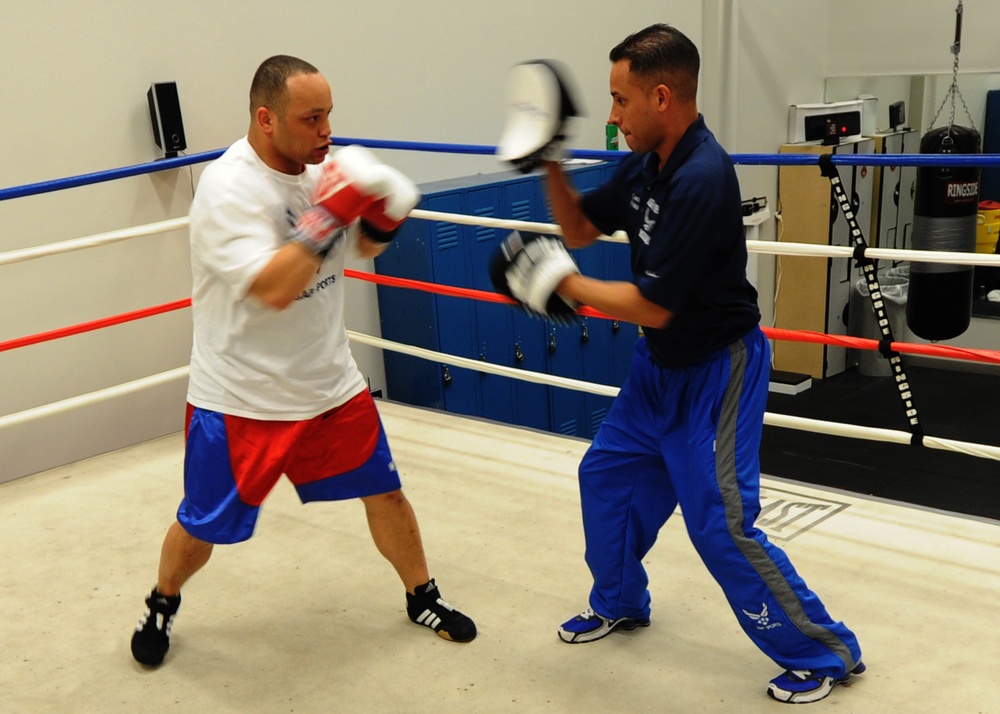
(569, 287)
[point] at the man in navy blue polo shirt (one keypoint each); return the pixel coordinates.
(686, 427)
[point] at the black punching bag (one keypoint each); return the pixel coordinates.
(939, 299)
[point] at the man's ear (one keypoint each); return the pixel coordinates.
(663, 95)
(265, 119)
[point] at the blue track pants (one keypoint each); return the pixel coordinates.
(690, 436)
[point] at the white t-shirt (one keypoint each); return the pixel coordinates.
(249, 359)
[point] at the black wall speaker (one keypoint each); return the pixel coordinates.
(165, 114)
(897, 115)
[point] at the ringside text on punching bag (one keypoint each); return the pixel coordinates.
(939, 301)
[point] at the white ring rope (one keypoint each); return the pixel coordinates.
(486, 367)
(843, 251)
(85, 400)
(892, 436)
(753, 246)
(19, 256)
(780, 420)
(488, 222)
(772, 247)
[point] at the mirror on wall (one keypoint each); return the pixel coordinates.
(923, 95)
(927, 106)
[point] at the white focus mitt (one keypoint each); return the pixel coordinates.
(529, 267)
(540, 103)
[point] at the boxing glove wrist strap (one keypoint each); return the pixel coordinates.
(316, 230)
(377, 234)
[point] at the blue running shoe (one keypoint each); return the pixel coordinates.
(589, 626)
(804, 686)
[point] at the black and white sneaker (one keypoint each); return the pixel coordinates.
(151, 638)
(428, 609)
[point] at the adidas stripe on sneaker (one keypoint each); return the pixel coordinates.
(151, 638)
(428, 609)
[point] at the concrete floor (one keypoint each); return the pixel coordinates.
(307, 617)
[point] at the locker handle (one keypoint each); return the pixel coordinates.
(518, 353)
(446, 375)
(585, 333)
(552, 341)
(615, 326)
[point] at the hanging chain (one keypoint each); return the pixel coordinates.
(953, 90)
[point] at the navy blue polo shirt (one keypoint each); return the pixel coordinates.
(685, 227)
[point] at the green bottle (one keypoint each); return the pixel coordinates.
(611, 137)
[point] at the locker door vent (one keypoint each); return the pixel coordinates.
(569, 428)
(596, 419)
(447, 236)
(484, 234)
(521, 210)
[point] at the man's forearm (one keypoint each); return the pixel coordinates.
(578, 232)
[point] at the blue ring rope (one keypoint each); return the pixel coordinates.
(33, 189)
(745, 159)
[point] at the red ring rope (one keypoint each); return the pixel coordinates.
(777, 333)
(975, 355)
(94, 325)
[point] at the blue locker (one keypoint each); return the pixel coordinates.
(619, 337)
(565, 359)
(567, 410)
(429, 252)
(618, 264)
(989, 187)
(596, 339)
(527, 337)
(410, 317)
(455, 316)
(493, 322)
(452, 254)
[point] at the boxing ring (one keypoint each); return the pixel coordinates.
(324, 627)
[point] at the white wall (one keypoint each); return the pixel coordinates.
(908, 37)
(74, 102)
(774, 55)
(74, 88)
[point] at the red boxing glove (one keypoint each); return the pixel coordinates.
(383, 218)
(351, 181)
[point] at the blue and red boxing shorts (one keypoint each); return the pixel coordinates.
(232, 463)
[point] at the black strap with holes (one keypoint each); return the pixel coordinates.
(870, 270)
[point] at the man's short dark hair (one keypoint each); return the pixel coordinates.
(269, 87)
(662, 54)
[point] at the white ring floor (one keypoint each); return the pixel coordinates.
(307, 617)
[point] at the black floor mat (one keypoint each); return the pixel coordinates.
(950, 404)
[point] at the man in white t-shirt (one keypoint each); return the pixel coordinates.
(274, 388)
